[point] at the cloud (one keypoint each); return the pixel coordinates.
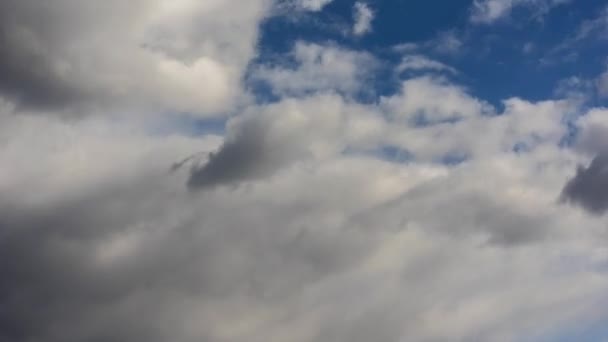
(446, 42)
(313, 5)
(588, 187)
(416, 101)
(319, 68)
(593, 29)
(592, 129)
(363, 16)
(489, 11)
(245, 156)
(263, 141)
(421, 63)
(433, 131)
(298, 229)
(152, 54)
(416, 251)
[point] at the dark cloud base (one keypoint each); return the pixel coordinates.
(589, 187)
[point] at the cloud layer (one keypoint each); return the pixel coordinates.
(294, 223)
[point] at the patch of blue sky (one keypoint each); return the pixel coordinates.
(184, 124)
(522, 55)
(389, 153)
(395, 154)
(454, 159)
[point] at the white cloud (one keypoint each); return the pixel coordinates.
(422, 63)
(320, 68)
(363, 16)
(419, 96)
(313, 5)
(432, 130)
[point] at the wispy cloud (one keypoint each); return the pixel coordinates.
(490, 11)
(363, 17)
(313, 5)
(420, 63)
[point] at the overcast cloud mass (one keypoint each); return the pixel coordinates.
(295, 171)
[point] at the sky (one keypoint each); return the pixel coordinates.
(303, 170)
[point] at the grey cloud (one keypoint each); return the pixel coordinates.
(54, 287)
(29, 79)
(65, 54)
(246, 156)
(461, 206)
(35, 38)
(190, 159)
(593, 139)
(288, 261)
(265, 140)
(589, 187)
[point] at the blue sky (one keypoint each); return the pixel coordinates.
(525, 53)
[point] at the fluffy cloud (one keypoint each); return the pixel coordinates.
(417, 101)
(158, 54)
(313, 5)
(592, 131)
(263, 141)
(337, 246)
(319, 68)
(363, 19)
(422, 63)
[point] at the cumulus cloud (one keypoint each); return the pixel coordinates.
(319, 68)
(417, 101)
(394, 245)
(290, 225)
(89, 207)
(265, 140)
(433, 130)
(592, 132)
(157, 54)
(260, 143)
(363, 16)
